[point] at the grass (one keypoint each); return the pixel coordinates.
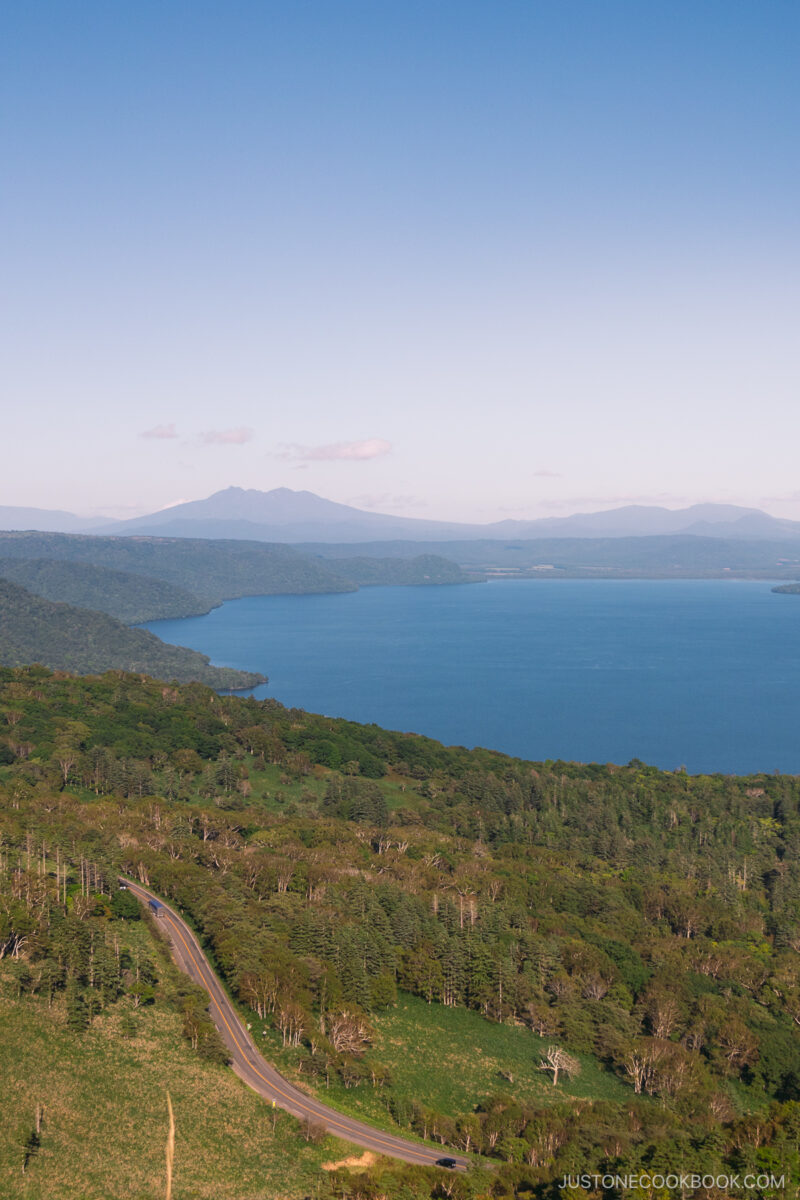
(449, 1059)
(105, 1112)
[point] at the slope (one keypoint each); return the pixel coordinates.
(73, 639)
(210, 570)
(130, 598)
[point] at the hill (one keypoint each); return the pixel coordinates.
(101, 1089)
(422, 570)
(667, 557)
(129, 598)
(210, 571)
(55, 520)
(74, 639)
(348, 881)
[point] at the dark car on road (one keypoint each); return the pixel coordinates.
(449, 1163)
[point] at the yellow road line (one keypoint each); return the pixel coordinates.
(298, 1103)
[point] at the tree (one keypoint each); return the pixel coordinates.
(557, 1060)
(349, 1032)
(125, 906)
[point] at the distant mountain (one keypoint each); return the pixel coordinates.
(49, 520)
(638, 520)
(283, 515)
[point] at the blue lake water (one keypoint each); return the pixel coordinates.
(701, 674)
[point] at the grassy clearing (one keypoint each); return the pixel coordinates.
(449, 1059)
(105, 1114)
(273, 788)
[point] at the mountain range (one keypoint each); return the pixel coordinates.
(284, 515)
(51, 520)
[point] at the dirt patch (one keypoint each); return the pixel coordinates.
(367, 1159)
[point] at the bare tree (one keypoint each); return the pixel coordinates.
(557, 1060)
(349, 1032)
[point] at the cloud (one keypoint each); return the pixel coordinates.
(547, 474)
(227, 437)
(160, 432)
(336, 451)
(172, 504)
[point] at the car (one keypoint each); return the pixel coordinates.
(449, 1163)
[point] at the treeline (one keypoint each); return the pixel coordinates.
(646, 918)
(62, 937)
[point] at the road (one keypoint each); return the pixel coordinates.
(253, 1068)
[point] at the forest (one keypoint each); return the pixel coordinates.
(638, 929)
(78, 639)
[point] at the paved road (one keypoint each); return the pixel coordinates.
(256, 1072)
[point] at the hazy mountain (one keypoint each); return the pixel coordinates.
(49, 520)
(283, 515)
(639, 520)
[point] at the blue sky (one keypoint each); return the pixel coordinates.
(456, 259)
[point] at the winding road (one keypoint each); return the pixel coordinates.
(255, 1071)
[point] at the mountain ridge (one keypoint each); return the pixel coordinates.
(301, 516)
(284, 515)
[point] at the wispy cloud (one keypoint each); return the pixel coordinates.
(160, 432)
(172, 504)
(547, 474)
(335, 451)
(227, 437)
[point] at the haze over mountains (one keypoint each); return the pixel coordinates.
(51, 520)
(284, 515)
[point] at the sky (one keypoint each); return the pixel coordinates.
(444, 259)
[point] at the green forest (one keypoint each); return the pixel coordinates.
(611, 950)
(137, 579)
(83, 641)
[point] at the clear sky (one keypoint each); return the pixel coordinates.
(436, 257)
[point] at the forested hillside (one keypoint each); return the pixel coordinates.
(33, 630)
(422, 570)
(674, 556)
(210, 571)
(639, 928)
(129, 598)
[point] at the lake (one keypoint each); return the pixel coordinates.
(702, 674)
